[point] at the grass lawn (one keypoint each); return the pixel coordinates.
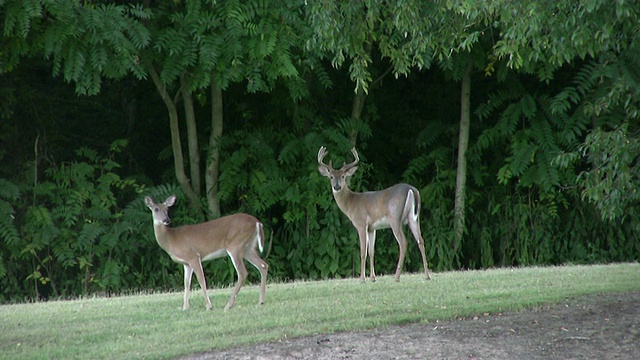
(153, 326)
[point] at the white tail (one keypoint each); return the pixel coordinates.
(235, 235)
(369, 211)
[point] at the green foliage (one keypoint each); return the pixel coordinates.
(573, 31)
(70, 233)
(89, 41)
(347, 30)
(227, 42)
(18, 21)
(534, 137)
(612, 183)
(607, 91)
(85, 41)
(311, 236)
(560, 129)
(9, 235)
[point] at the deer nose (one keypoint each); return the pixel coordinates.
(166, 221)
(337, 187)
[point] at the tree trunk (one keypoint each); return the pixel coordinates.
(356, 110)
(176, 145)
(213, 160)
(463, 144)
(359, 98)
(192, 139)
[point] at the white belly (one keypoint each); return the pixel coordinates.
(381, 224)
(215, 255)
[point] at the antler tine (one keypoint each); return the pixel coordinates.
(355, 162)
(321, 154)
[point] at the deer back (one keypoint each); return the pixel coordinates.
(210, 239)
(376, 207)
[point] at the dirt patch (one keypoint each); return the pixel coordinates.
(592, 327)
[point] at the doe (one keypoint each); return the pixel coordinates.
(235, 235)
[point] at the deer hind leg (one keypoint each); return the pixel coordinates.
(188, 271)
(396, 227)
(371, 242)
(197, 268)
(262, 266)
(414, 225)
(241, 270)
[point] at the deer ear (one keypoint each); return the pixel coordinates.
(323, 170)
(170, 200)
(351, 171)
(148, 201)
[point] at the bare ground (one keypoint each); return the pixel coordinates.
(592, 327)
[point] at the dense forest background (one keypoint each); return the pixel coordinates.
(518, 122)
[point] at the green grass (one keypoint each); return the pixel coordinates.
(154, 326)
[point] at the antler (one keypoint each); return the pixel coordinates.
(354, 163)
(321, 154)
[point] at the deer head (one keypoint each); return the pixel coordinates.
(338, 177)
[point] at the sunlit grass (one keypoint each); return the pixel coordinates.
(154, 326)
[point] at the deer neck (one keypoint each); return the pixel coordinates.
(343, 198)
(163, 234)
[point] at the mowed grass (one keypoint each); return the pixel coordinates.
(153, 326)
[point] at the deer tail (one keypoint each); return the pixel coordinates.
(414, 196)
(260, 235)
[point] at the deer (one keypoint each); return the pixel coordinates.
(235, 235)
(369, 211)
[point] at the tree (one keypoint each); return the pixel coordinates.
(538, 164)
(410, 35)
(183, 47)
(354, 30)
(463, 144)
(540, 37)
(211, 45)
(84, 42)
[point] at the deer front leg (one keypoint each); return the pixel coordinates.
(362, 234)
(371, 241)
(188, 271)
(197, 268)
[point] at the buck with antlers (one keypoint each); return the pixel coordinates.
(372, 210)
(235, 235)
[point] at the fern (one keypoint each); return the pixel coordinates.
(89, 235)
(431, 133)
(8, 190)
(564, 101)
(8, 230)
(64, 254)
(323, 76)
(496, 101)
